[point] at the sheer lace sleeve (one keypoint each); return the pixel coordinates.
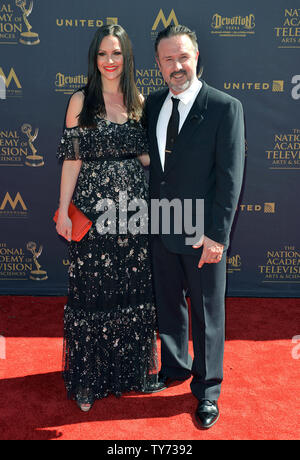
(107, 141)
(75, 144)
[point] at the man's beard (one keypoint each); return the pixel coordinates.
(179, 87)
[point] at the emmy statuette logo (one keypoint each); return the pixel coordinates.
(38, 274)
(33, 159)
(29, 37)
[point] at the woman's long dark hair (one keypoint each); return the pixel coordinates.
(94, 101)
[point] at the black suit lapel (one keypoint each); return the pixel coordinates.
(155, 157)
(191, 124)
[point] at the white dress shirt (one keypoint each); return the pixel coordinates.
(187, 99)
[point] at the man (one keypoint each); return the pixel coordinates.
(196, 152)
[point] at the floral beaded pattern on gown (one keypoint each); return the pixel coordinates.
(110, 315)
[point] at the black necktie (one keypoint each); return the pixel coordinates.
(172, 130)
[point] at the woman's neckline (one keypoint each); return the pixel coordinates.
(113, 122)
(105, 120)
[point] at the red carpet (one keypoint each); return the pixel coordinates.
(260, 394)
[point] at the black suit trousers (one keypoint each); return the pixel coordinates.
(176, 275)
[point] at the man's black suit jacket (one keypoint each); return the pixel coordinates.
(207, 162)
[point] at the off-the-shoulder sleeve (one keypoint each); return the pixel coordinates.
(75, 144)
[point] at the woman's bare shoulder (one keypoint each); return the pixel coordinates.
(74, 109)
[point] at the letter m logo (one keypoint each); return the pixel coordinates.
(12, 76)
(13, 203)
(166, 22)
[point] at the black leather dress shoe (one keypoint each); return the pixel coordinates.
(207, 414)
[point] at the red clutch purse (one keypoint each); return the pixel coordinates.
(80, 223)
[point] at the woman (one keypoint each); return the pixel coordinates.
(110, 317)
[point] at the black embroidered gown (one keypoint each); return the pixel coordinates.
(110, 316)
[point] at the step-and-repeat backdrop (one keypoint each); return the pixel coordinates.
(249, 49)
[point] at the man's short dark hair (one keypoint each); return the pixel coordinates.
(172, 31)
